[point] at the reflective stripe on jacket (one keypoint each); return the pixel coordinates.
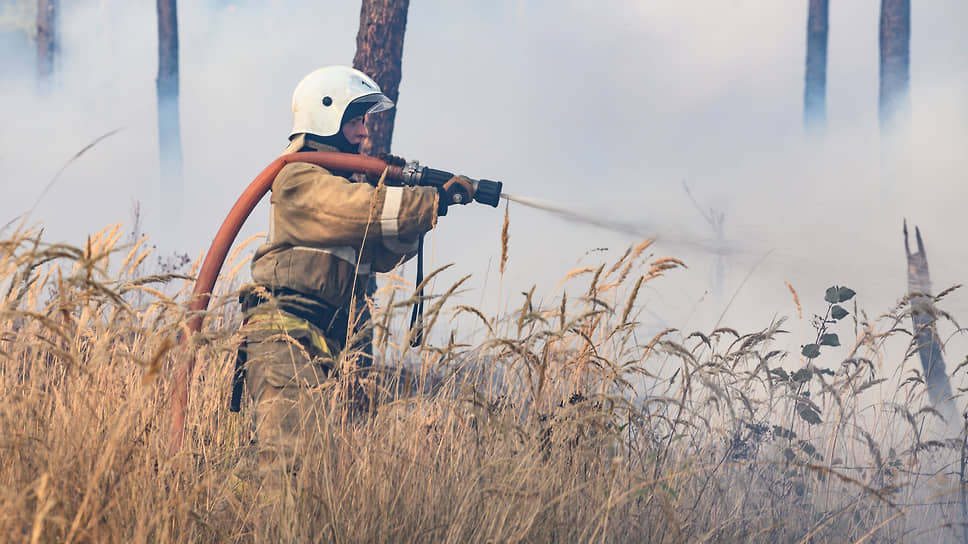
(320, 221)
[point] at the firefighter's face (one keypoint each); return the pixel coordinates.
(355, 130)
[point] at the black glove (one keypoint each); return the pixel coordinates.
(456, 190)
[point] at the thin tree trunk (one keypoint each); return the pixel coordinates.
(379, 50)
(169, 127)
(815, 82)
(924, 317)
(170, 154)
(46, 38)
(895, 62)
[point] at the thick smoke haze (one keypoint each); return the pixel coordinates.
(606, 108)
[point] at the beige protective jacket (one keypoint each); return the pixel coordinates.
(325, 231)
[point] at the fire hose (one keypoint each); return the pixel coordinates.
(392, 169)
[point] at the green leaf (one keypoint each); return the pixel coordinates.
(838, 312)
(788, 453)
(808, 413)
(783, 432)
(808, 448)
(811, 351)
(845, 294)
(829, 340)
(802, 375)
(833, 295)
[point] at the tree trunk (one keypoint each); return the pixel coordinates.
(379, 50)
(46, 38)
(815, 82)
(379, 53)
(923, 315)
(169, 127)
(895, 67)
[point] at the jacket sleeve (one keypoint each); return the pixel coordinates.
(312, 207)
(385, 259)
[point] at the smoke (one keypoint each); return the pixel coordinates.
(602, 110)
(606, 111)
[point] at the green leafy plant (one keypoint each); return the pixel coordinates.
(835, 312)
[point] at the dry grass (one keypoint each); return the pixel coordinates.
(557, 425)
(796, 299)
(505, 238)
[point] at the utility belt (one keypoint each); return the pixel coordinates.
(332, 320)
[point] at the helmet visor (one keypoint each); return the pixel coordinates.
(378, 100)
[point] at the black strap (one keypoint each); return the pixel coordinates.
(416, 317)
(238, 378)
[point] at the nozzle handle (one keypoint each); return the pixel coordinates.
(485, 191)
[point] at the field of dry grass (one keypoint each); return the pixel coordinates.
(561, 424)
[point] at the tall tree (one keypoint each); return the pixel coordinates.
(815, 82)
(379, 50)
(169, 126)
(895, 66)
(46, 38)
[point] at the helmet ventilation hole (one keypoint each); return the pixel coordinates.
(327, 101)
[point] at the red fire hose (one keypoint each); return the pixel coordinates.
(486, 192)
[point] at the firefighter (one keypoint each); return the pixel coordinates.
(327, 235)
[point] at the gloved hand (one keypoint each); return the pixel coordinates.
(456, 190)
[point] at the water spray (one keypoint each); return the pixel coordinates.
(575, 216)
(636, 229)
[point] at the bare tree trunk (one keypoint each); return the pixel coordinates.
(379, 50)
(46, 38)
(379, 54)
(926, 338)
(815, 82)
(169, 126)
(895, 67)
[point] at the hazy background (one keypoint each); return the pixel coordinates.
(607, 107)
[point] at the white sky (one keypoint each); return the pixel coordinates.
(605, 106)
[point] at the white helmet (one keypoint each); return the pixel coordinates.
(321, 98)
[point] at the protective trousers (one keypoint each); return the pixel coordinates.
(287, 359)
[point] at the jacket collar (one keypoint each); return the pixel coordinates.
(301, 143)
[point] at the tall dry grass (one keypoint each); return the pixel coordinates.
(559, 424)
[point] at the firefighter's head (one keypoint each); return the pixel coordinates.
(330, 104)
